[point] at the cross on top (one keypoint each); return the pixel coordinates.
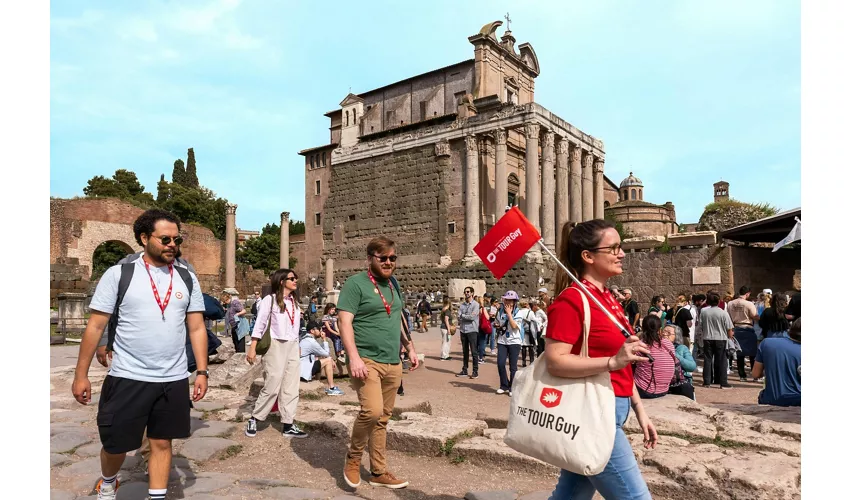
(508, 19)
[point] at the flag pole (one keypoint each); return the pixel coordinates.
(589, 295)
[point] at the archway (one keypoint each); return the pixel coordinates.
(107, 254)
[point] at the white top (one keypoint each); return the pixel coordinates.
(311, 350)
(512, 336)
(146, 348)
(285, 325)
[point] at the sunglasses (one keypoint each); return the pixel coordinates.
(167, 239)
(384, 258)
(291, 278)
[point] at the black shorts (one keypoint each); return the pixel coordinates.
(128, 407)
(317, 367)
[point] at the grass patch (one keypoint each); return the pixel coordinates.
(350, 403)
(231, 451)
(458, 459)
(312, 396)
(728, 444)
(447, 448)
(395, 417)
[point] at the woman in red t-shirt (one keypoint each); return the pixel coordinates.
(592, 250)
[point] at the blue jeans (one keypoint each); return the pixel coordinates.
(483, 338)
(505, 352)
(620, 480)
(493, 339)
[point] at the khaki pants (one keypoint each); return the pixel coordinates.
(377, 398)
(281, 370)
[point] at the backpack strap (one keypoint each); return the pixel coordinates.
(123, 285)
(187, 279)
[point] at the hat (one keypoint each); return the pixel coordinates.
(614, 287)
(510, 295)
(313, 324)
(231, 291)
(544, 290)
(767, 291)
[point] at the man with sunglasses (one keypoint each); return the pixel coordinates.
(370, 323)
(145, 390)
(468, 316)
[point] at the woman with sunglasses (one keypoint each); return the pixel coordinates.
(280, 314)
(592, 249)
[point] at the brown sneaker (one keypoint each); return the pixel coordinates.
(351, 471)
(387, 480)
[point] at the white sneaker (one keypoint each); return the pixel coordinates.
(106, 491)
(500, 391)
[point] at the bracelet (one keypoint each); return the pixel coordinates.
(608, 364)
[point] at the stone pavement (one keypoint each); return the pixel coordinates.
(731, 451)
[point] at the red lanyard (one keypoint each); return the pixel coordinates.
(290, 313)
(162, 304)
(388, 307)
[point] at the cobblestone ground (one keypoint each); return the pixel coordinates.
(219, 461)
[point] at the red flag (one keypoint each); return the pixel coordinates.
(506, 242)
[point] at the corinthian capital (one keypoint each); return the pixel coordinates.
(587, 161)
(548, 139)
(575, 154)
(442, 148)
(562, 147)
(284, 216)
(532, 130)
(599, 165)
(230, 209)
(471, 143)
(501, 136)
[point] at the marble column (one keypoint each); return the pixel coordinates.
(501, 136)
(598, 189)
(284, 240)
(472, 211)
(547, 181)
(230, 246)
(575, 183)
(329, 275)
(532, 174)
(562, 209)
(586, 186)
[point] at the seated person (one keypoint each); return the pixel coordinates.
(316, 358)
(778, 359)
(653, 379)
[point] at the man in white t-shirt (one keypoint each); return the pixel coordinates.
(145, 390)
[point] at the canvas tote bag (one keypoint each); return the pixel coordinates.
(569, 423)
(265, 342)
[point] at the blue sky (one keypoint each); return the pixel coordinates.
(683, 93)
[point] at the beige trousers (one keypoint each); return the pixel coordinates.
(281, 370)
(377, 398)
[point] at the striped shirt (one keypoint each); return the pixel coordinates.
(655, 378)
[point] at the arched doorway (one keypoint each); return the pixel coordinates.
(106, 255)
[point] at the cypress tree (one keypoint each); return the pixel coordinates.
(161, 190)
(178, 175)
(191, 170)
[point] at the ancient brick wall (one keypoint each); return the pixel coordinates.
(668, 274)
(760, 268)
(67, 275)
(396, 195)
(310, 260)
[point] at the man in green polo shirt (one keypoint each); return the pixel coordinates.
(370, 323)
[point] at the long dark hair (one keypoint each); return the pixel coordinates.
(575, 238)
(651, 330)
(277, 288)
(775, 320)
(328, 307)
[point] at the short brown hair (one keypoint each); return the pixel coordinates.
(381, 244)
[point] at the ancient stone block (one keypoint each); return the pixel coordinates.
(692, 239)
(642, 242)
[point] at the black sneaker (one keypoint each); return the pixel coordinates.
(727, 386)
(474, 375)
(251, 428)
(463, 373)
(294, 432)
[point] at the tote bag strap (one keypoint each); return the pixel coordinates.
(586, 325)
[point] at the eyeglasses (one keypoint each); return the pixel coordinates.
(167, 239)
(613, 249)
(384, 258)
(292, 278)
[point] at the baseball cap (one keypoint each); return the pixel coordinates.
(543, 290)
(767, 290)
(510, 295)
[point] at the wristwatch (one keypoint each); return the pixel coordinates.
(205, 373)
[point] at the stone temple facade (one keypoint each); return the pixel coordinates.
(433, 161)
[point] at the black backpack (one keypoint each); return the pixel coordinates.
(127, 269)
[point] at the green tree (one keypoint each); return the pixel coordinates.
(198, 205)
(295, 227)
(129, 180)
(191, 170)
(106, 255)
(161, 190)
(262, 252)
(100, 186)
(726, 214)
(178, 175)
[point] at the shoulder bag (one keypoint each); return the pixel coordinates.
(567, 422)
(264, 343)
